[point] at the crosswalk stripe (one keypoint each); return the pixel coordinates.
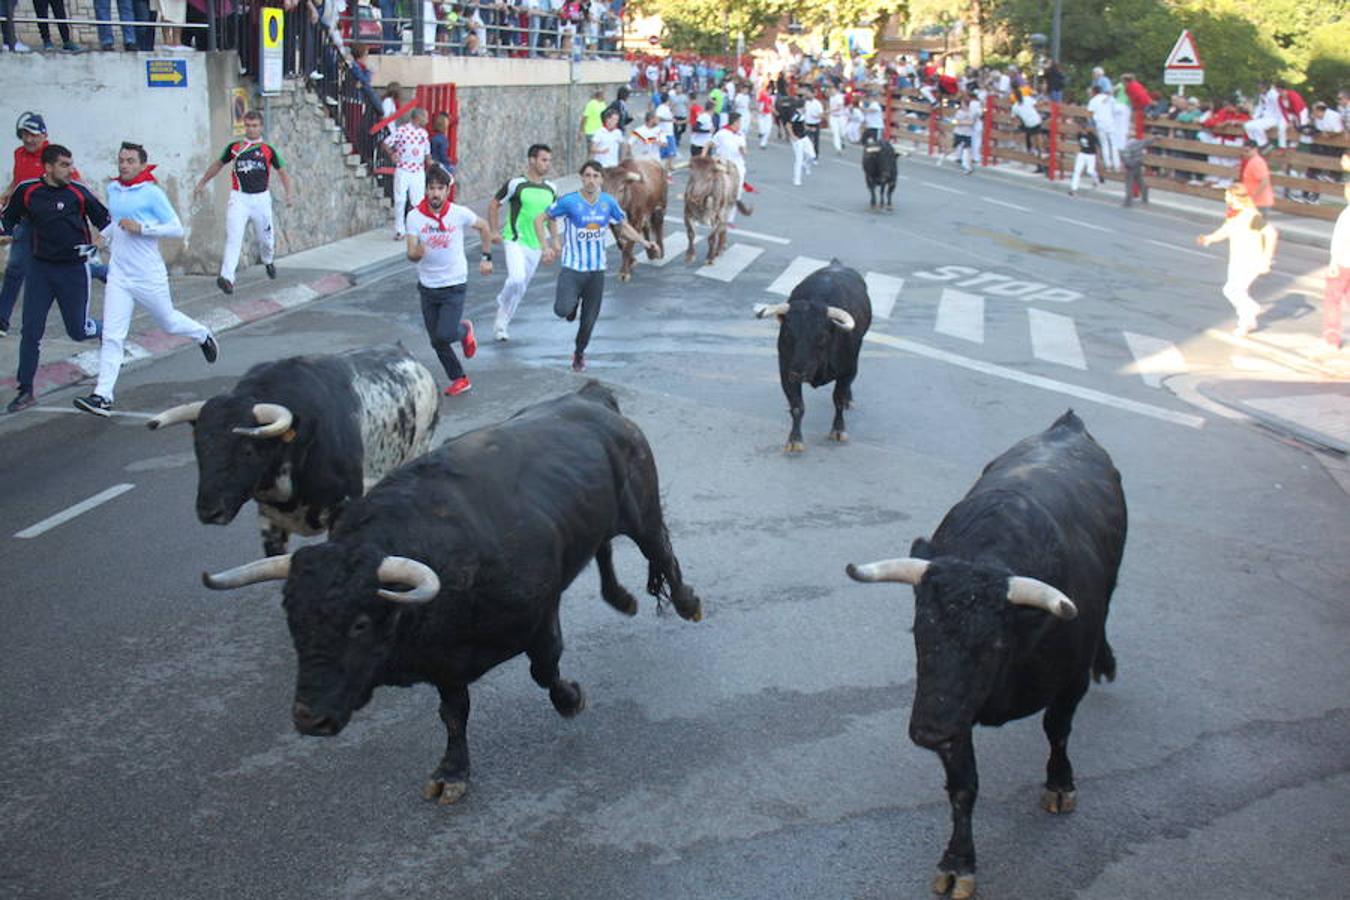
(961, 314)
(1154, 358)
(675, 244)
(799, 268)
(883, 291)
(1054, 338)
(732, 261)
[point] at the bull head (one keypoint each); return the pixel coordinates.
(423, 581)
(240, 447)
(1022, 591)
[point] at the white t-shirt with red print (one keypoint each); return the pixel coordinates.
(443, 237)
(411, 146)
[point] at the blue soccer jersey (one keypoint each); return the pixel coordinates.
(585, 227)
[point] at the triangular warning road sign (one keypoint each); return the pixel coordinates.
(1184, 55)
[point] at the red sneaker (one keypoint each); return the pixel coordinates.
(470, 344)
(749, 188)
(459, 386)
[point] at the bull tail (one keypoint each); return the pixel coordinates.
(1104, 665)
(745, 209)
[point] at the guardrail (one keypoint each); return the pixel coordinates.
(1177, 160)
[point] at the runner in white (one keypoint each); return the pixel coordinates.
(647, 139)
(409, 147)
(838, 118)
(1267, 115)
(141, 215)
(729, 144)
(607, 146)
(524, 197)
(251, 161)
(873, 117)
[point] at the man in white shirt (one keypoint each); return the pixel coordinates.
(729, 144)
(838, 118)
(647, 139)
(607, 146)
(409, 146)
(1102, 108)
(1267, 115)
(1337, 289)
(813, 113)
(435, 235)
(1029, 123)
(873, 117)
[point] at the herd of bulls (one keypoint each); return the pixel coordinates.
(440, 564)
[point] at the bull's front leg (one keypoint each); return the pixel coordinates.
(658, 234)
(956, 871)
(843, 399)
(716, 238)
(451, 779)
(690, 250)
(1060, 795)
(793, 390)
(567, 696)
(872, 193)
(890, 193)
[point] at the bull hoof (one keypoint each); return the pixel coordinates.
(962, 887)
(688, 258)
(568, 698)
(687, 604)
(445, 792)
(625, 276)
(1059, 802)
(840, 436)
(794, 447)
(623, 601)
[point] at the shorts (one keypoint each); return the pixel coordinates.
(960, 140)
(668, 148)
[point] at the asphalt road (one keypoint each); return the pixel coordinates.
(146, 748)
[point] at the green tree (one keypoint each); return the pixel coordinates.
(1329, 61)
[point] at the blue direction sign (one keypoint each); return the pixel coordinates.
(170, 73)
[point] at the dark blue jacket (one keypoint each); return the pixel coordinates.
(58, 218)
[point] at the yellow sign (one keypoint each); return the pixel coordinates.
(273, 27)
(162, 72)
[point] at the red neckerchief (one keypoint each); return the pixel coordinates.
(1230, 212)
(140, 178)
(425, 209)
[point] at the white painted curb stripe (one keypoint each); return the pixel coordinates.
(1007, 204)
(1154, 358)
(1082, 224)
(221, 319)
(69, 513)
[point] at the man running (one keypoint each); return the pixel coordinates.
(607, 144)
(141, 215)
(813, 112)
(251, 162)
(587, 215)
(409, 146)
(58, 212)
(435, 237)
(525, 198)
(838, 118)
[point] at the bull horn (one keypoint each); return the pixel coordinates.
(840, 318)
(1025, 591)
(906, 570)
(188, 412)
(401, 570)
(764, 310)
(273, 421)
(271, 568)
(632, 176)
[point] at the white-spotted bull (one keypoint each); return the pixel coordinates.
(1010, 602)
(640, 187)
(820, 334)
(487, 530)
(878, 164)
(708, 199)
(304, 436)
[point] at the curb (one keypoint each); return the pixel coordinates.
(156, 342)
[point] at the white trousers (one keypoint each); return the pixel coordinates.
(244, 208)
(1106, 136)
(410, 187)
(803, 155)
(740, 188)
(765, 128)
(1257, 130)
(521, 261)
(118, 303)
(1237, 291)
(1083, 162)
(837, 125)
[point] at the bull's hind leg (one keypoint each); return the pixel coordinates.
(690, 250)
(657, 233)
(1060, 795)
(843, 399)
(796, 408)
(544, 653)
(663, 569)
(274, 537)
(451, 778)
(614, 593)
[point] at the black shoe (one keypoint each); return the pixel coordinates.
(99, 406)
(21, 402)
(271, 270)
(578, 362)
(130, 48)
(210, 349)
(4, 327)
(225, 284)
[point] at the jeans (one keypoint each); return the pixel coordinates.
(7, 26)
(392, 31)
(1134, 180)
(68, 285)
(125, 13)
(443, 313)
(20, 252)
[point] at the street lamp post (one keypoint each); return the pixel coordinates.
(1054, 30)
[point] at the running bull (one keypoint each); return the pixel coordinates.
(820, 335)
(878, 163)
(640, 187)
(1011, 596)
(486, 532)
(709, 198)
(305, 436)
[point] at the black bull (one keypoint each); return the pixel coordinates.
(490, 528)
(1011, 597)
(878, 163)
(820, 334)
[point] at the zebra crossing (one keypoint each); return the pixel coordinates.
(1053, 336)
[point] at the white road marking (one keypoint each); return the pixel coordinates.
(79, 412)
(730, 264)
(883, 291)
(71, 512)
(1048, 384)
(799, 268)
(1082, 224)
(676, 243)
(1007, 204)
(1180, 249)
(939, 187)
(1054, 338)
(961, 314)
(738, 231)
(1154, 358)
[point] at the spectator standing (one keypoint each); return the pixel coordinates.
(141, 215)
(1132, 158)
(1251, 249)
(1054, 82)
(435, 239)
(409, 147)
(58, 211)
(251, 163)
(1139, 100)
(440, 141)
(1337, 289)
(128, 11)
(1102, 107)
(31, 130)
(1100, 81)
(525, 198)
(587, 215)
(1255, 178)
(44, 9)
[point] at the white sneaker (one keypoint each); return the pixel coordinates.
(21, 47)
(500, 334)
